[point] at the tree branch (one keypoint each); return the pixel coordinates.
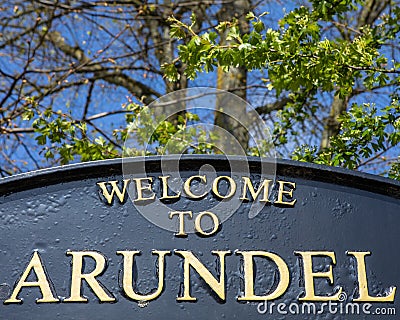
(277, 105)
(117, 78)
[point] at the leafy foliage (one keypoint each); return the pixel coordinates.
(318, 65)
(65, 138)
(300, 61)
(295, 55)
(365, 137)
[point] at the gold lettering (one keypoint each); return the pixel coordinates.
(363, 282)
(249, 186)
(310, 275)
(197, 223)
(181, 215)
(115, 190)
(164, 180)
(284, 276)
(42, 282)
(289, 193)
(90, 278)
(186, 187)
(128, 275)
(140, 188)
(191, 261)
(232, 187)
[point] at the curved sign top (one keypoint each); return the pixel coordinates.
(93, 241)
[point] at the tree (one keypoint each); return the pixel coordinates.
(317, 50)
(59, 62)
(308, 76)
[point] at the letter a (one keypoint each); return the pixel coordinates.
(42, 282)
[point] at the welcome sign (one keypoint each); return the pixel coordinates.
(206, 241)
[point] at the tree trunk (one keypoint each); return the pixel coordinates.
(332, 123)
(236, 78)
(371, 10)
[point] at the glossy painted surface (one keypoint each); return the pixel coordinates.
(60, 209)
